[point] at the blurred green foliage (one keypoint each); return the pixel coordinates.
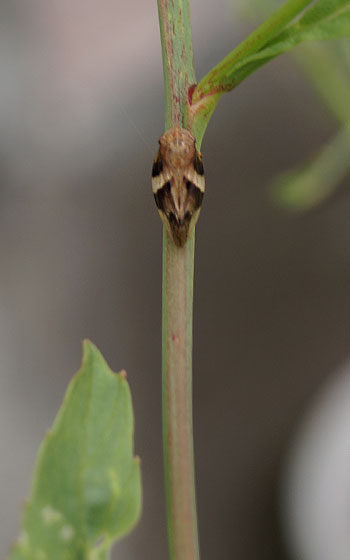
(326, 65)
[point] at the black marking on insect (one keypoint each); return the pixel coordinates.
(157, 166)
(178, 183)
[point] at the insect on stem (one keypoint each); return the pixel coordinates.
(178, 183)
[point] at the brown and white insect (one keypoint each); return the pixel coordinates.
(178, 183)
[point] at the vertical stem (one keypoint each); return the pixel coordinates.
(178, 70)
(177, 399)
(178, 265)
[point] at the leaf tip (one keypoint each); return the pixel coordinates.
(88, 347)
(90, 353)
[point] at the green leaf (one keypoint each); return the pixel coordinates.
(331, 26)
(219, 77)
(87, 489)
(321, 10)
(326, 64)
(325, 19)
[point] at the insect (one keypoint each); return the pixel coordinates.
(178, 183)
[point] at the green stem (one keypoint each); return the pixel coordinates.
(177, 399)
(178, 70)
(178, 265)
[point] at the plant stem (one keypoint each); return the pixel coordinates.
(177, 399)
(178, 265)
(178, 70)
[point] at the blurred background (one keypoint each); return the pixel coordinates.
(81, 110)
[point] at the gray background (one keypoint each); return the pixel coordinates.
(81, 108)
